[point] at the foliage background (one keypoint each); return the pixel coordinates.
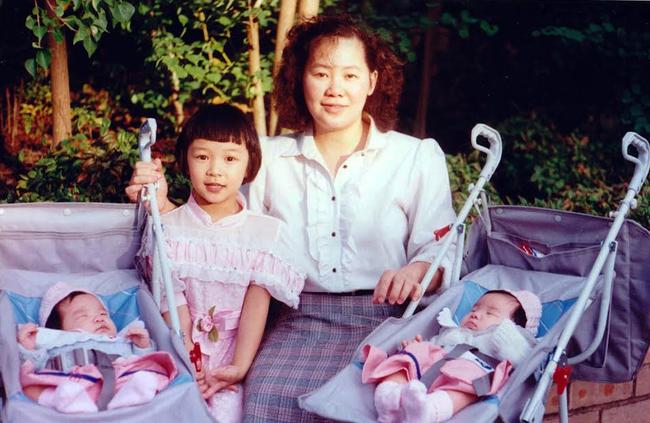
(561, 81)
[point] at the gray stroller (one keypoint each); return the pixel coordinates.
(591, 275)
(90, 245)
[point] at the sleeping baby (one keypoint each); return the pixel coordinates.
(63, 356)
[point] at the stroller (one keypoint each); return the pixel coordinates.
(590, 274)
(89, 245)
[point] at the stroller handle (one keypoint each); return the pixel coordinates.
(457, 228)
(642, 161)
(147, 139)
(493, 153)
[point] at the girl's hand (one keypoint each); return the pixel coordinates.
(395, 286)
(225, 377)
(406, 342)
(27, 335)
(139, 337)
(147, 173)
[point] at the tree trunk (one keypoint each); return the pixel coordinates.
(259, 112)
(176, 103)
(285, 21)
(420, 126)
(307, 9)
(60, 85)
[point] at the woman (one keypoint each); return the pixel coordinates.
(357, 197)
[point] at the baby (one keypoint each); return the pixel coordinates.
(74, 318)
(502, 324)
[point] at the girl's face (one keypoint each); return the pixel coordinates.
(489, 310)
(336, 83)
(85, 313)
(217, 170)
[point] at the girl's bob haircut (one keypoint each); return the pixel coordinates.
(220, 123)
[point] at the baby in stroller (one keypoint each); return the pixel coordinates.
(465, 362)
(59, 372)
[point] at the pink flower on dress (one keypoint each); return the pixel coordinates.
(215, 324)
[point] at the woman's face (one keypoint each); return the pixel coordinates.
(336, 83)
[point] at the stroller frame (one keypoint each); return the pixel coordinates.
(457, 229)
(534, 408)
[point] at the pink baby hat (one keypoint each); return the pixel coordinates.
(56, 293)
(532, 307)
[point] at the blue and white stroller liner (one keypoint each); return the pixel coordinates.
(91, 245)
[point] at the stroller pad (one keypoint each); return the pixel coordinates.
(345, 398)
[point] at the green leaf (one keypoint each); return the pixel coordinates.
(30, 22)
(183, 19)
(30, 66)
(43, 58)
(224, 20)
(126, 11)
(39, 32)
(82, 33)
(58, 35)
(90, 45)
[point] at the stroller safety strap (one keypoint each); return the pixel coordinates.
(482, 384)
(68, 359)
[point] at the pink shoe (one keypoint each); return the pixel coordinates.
(140, 389)
(69, 397)
(387, 402)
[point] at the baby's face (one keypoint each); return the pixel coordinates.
(489, 310)
(85, 313)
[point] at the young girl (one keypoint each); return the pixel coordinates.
(226, 260)
(501, 324)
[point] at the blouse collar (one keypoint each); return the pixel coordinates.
(205, 218)
(305, 144)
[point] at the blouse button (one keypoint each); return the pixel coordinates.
(333, 234)
(333, 198)
(333, 269)
(345, 166)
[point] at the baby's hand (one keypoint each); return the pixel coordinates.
(139, 336)
(27, 335)
(406, 342)
(225, 377)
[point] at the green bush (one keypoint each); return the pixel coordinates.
(80, 170)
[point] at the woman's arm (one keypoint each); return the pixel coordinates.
(251, 328)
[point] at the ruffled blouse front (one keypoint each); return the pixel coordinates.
(213, 264)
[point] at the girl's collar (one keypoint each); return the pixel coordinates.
(206, 219)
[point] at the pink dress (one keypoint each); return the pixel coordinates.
(213, 264)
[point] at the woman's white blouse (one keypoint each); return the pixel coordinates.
(378, 213)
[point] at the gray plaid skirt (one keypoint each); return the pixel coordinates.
(304, 348)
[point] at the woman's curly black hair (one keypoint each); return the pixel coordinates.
(288, 95)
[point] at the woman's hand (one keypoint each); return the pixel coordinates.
(147, 173)
(395, 286)
(27, 335)
(226, 377)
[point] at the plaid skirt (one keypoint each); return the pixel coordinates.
(304, 348)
